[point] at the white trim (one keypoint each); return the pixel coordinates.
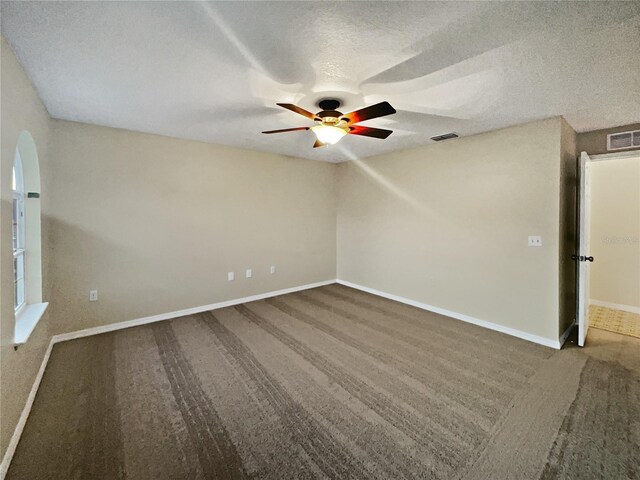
(181, 313)
(26, 320)
(459, 316)
(615, 306)
(15, 438)
(615, 155)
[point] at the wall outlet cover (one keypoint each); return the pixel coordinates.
(535, 241)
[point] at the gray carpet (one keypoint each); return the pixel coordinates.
(331, 383)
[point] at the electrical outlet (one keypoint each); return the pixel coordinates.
(272, 270)
(93, 295)
(231, 276)
(535, 241)
(249, 273)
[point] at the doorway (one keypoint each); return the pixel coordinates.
(609, 244)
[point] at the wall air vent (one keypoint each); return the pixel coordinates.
(446, 136)
(622, 140)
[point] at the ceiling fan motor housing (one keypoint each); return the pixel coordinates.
(329, 104)
(329, 115)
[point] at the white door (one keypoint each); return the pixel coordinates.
(583, 258)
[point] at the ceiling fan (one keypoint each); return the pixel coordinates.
(332, 125)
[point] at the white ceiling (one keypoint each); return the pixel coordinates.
(214, 71)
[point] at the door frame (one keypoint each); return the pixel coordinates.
(582, 256)
(615, 155)
(594, 158)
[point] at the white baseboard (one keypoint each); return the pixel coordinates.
(181, 313)
(22, 421)
(615, 306)
(15, 438)
(459, 316)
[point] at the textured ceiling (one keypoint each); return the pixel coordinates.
(214, 71)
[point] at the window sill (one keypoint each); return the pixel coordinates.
(26, 322)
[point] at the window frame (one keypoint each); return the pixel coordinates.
(19, 237)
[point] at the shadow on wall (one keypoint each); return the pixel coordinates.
(595, 142)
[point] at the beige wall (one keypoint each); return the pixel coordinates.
(447, 225)
(615, 231)
(595, 142)
(21, 110)
(155, 223)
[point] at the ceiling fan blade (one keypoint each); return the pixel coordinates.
(319, 144)
(297, 109)
(370, 132)
(367, 113)
(286, 130)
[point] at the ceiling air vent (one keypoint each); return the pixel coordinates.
(446, 136)
(622, 140)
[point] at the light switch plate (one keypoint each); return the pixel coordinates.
(230, 276)
(93, 295)
(249, 273)
(535, 241)
(272, 270)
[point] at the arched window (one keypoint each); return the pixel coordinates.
(27, 251)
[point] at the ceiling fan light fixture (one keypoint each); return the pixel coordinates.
(328, 134)
(332, 125)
